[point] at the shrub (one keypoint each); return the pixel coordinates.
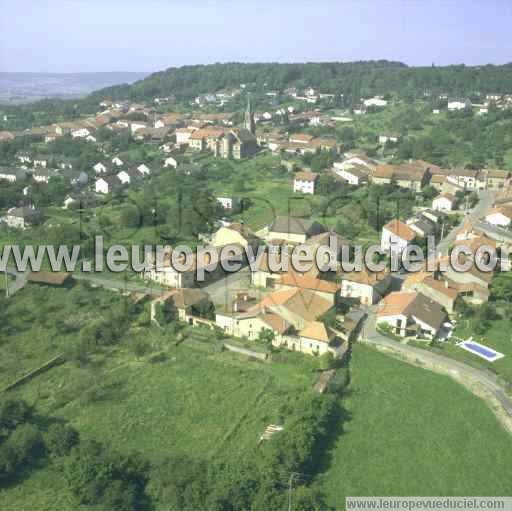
(60, 438)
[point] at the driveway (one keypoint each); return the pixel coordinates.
(485, 201)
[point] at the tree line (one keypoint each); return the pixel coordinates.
(350, 78)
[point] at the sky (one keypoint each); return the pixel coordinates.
(151, 35)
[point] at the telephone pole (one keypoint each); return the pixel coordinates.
(290, 483)
(6, 284)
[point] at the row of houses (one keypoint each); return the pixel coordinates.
(428, 298)
(23, 217)
(297, 303)
(42, 175)
(414, 175)
(294, 305)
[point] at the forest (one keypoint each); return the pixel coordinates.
(353, 79)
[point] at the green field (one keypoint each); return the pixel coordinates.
(411, 432)
(187, 399)
(40, 322)
(497, 337)
(405, 431)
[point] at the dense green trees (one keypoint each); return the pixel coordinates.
(97, 475)
(353, 79)
(25, 439)
(460, 139)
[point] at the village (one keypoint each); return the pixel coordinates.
(255, 256)
(314, 312)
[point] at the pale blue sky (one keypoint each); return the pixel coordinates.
(150, 35)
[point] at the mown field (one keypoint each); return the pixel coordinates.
(497, 334)
(411, 432)
(497, 337)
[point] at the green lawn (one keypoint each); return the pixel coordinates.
(411, 432)
(497, 337)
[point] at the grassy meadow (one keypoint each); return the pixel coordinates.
(411, 432)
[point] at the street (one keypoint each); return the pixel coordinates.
(453, 368)
(486, 200)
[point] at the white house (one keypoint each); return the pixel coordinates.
(23, 157)
(458, 104)
(411, 314)
(106, 184)
(80, 133)
(396, 236)
(75, 177)
(465, 178)
(375, 101)
(122, 123)
(354, 175)
(167, 147)
(500, 217)
(44, 175)
(315, 338)
(144, 169)
(40, 161)
(12, 174)
(100, 168)
(353, 160)
(388, 137)
(304, 182)
(183, 135)
(170, 162)
(68, 201)
(229, 202)
(127, 176)
(124, 177)
(138, 125)
(21, 218)
(117, 161)
(369, 287)
(444, 202)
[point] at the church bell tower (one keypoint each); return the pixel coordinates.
(249, 118)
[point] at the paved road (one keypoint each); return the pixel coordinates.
(222, 292)
(486, 200)
(118, 285)
(456, 368)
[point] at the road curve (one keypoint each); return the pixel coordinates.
(479, 381)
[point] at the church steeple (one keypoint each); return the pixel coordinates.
(249, 117)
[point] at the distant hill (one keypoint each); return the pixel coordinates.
(353, 78)
(18, 88)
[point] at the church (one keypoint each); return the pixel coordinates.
(236, 143)
(240, 143)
